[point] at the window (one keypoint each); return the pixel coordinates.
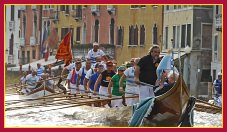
(174, 37)
(189, 35)
(62, 8)
(28, 56)
(19, 12)
(179, 6)
(216, 9)
(33, 54)
(178, 37)
(112, 31)
(131, 35)
(78, 34)
(24, 26)
(12, 13)
(11, 44)
(120, 35)
(155, 34)
(79, 11)
(67, 10)
(205, 75)
(215, 48)
(136, 35)
(183, 35)
(142, 35)
(174, 7)
(167, 7)
(134, 6)
(143, 6)
(214, 75)
(166, 38)
(96, 31)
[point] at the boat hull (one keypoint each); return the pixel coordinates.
(169, 107)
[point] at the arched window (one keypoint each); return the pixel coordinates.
(96, 30)
(136, 35)
(112, 31)
(142, 35)
(11, 45)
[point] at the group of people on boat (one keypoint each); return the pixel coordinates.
(102, 77)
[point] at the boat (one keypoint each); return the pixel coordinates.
(40, 91)
(173, 108)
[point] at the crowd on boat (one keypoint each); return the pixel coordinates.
(105, 78)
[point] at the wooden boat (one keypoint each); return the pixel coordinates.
(42, 90)
(172, 108)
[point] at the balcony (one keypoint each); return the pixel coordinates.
(32, 41)
(11, 25)
(110, 9)
(22, 42)
(218, 22)
(95, 10)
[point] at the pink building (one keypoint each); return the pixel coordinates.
(99, 24)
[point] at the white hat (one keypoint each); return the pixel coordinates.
(219, 74)
(95, 43)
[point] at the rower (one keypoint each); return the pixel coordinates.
(31, 81)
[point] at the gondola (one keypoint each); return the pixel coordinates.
(173, 108)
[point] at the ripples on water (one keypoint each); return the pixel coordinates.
(82, 117)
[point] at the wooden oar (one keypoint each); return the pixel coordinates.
(207, 103)
(74, 104)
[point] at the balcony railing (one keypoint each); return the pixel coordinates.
(218, 22)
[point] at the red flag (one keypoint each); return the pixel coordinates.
(64, 51)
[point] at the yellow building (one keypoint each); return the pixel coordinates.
(139, 27)
(66, 18)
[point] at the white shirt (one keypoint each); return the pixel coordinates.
(31, 80)
(129, 73)
(70, 66)
(89, 73)
(92, 55)
(81, 70)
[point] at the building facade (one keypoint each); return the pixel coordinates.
(216, 64)
(13, 34)
(138, 28)
(187, 25)
(29, 49)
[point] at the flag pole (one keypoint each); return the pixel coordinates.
(71, 45)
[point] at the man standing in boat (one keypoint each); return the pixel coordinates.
(95, 52)
(145, 72)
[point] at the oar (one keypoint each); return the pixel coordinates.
(80, 104)
(56, 103)
(208, 103)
